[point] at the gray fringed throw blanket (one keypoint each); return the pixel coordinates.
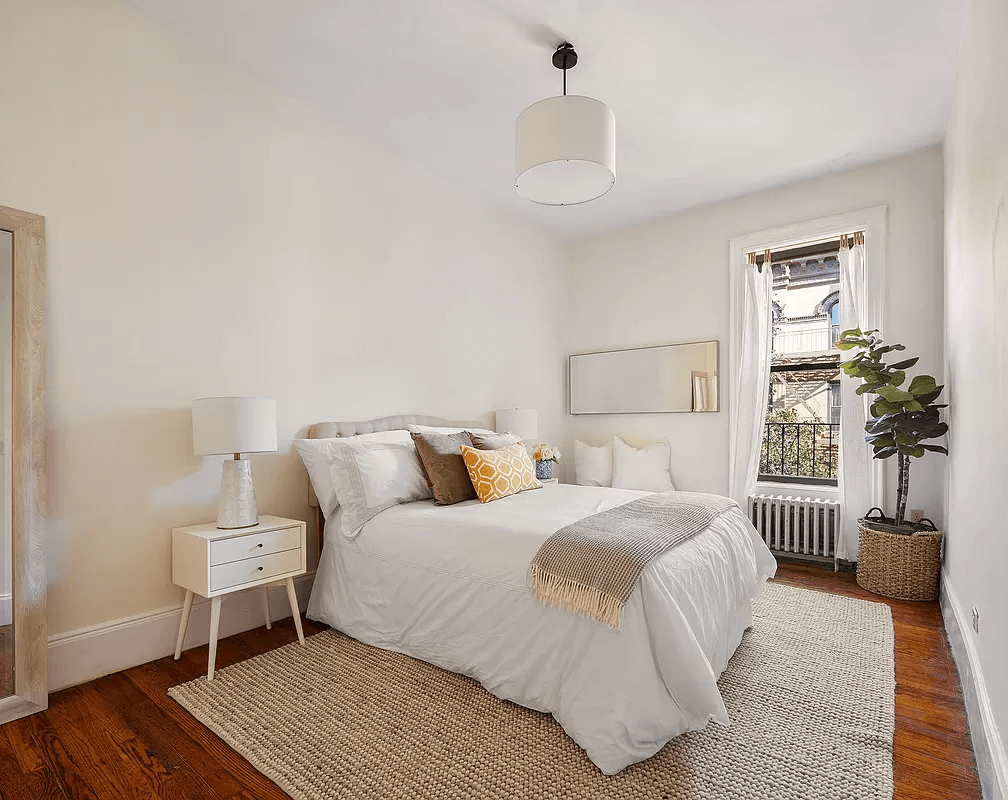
(591, 567)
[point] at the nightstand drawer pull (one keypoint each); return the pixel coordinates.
(249, 545)
(254, 570)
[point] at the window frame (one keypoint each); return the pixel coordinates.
(874, 222)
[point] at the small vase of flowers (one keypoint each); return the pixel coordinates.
(545, 457)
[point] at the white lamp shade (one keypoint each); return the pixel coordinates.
(234, 425)
(565, 150)
(523, 423)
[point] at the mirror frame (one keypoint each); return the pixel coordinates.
(28, 460)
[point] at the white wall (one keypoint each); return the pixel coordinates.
(976, 341)
(667, 281)
(208, 235)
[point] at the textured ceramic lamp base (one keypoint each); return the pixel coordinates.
(237, 497)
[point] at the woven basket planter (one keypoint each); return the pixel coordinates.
(898, 565)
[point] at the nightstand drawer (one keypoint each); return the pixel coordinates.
(247, 570)
(224, 551)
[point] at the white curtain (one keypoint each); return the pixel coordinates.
(858, 491)
(752, 382)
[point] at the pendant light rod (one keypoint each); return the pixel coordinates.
(565, 58)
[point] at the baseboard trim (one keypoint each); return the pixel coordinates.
(988, 747)
(5, 609)
(88, 653)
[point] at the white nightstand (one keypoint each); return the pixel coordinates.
(212, 562)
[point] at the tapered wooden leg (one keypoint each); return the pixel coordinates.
(295, 612)
(183, 623)
(266, 611)
(214, 625)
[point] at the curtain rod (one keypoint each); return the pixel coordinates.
(806, 249)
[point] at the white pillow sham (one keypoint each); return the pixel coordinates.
(645, 469)
(372, 476)
(593, 466)
(319, 455)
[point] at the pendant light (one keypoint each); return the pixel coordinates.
(565, 146)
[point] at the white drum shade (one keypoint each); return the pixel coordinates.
(565, 150)
(522, 422)
(234, 425)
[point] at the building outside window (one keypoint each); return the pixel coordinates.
(801, 439)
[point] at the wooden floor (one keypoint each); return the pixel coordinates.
(121, 736)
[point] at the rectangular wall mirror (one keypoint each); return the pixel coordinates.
(645, 380)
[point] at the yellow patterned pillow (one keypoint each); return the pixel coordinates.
(499, 473)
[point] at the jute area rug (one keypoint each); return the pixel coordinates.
(810, 692)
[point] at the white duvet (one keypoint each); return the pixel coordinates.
(448, 585)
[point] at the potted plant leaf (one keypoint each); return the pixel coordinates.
(895, 558)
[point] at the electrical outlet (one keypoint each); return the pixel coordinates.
(916, 515)
(976, 620)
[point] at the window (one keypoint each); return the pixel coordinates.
(801, 438)
(761, 455)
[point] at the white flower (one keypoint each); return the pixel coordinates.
(544, 452)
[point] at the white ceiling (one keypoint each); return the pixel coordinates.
(713, 98)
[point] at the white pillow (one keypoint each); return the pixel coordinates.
(319, 455)
(593, 466)
(373, 476)
(646, 470)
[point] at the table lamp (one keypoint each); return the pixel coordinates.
(235, 425)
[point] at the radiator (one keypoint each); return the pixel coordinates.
(800, 525)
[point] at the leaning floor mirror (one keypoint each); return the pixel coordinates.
(23, 656)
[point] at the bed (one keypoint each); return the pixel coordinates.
(449, 585)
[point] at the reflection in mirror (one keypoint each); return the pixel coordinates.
(645, 380)
(6, 540)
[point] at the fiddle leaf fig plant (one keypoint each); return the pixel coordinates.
(903, 417)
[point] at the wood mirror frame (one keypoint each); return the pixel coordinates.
(28, 365)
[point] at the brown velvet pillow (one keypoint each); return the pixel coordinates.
(441, 457)
(492, 441)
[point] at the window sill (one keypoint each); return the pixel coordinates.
(818, 491)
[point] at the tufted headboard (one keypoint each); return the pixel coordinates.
(400, 422)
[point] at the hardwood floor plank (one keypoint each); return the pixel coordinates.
(25, 775)
(181, 754)
(122, 736)
(918, 788)
(71, 776)
(88, 740)
(924, 755)
(18, 737)
(161, 778)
